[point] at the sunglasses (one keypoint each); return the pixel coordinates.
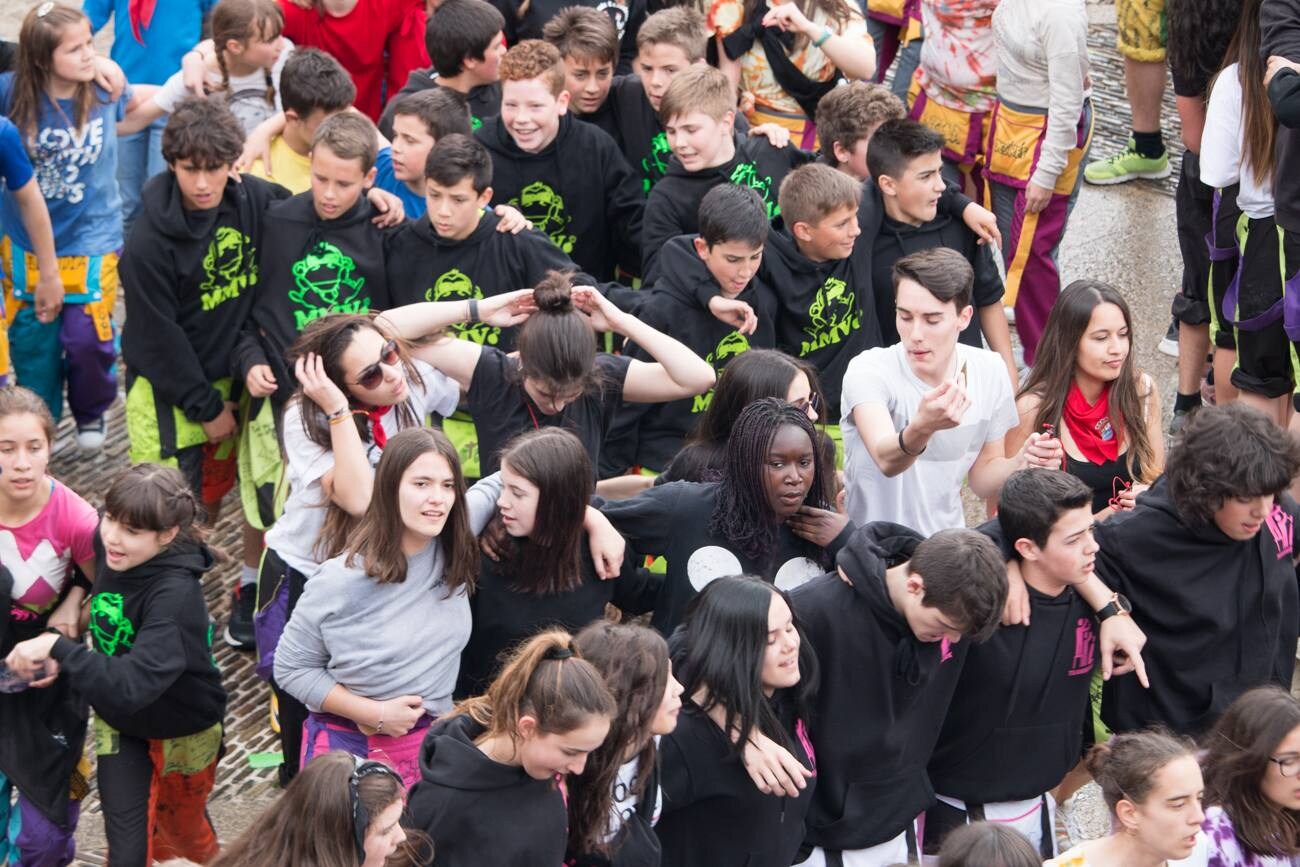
(804, 404)
(373, 374)
(360, 816)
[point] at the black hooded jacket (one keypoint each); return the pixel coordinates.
(578, 191)
(478, 811)
(484, 100)
(648, 435)
(882, 699)
(1220, 616)
(151, 673)
(1279, 30)
(310, 268)
(1015, 725)
(189, 279)
(424, 266)
(674, 204)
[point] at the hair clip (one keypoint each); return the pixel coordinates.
(557, 653)
(44, 9)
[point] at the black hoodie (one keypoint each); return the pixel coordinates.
(309, 268)
(1015, 725)
(151, 673)
(1220, 616)
(1279, 26)
(189, 279)
(424, 266)
(578, 190)
(896, 240)
(649, 434)
(713, 814)
(673, 520)
(674, 205)
(484, 100)
(479, 811)
(882, 699)
(526, 20)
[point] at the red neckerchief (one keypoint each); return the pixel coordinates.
(141, 13)
(1094, 433)
(376, 417)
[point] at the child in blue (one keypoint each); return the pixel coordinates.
(17, 177)
(69, 127)
(149, 40)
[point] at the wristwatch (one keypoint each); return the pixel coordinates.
(1118, 604)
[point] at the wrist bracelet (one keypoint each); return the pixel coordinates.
(473, 310)
(338, 415)
(903, 447)
(821, 40)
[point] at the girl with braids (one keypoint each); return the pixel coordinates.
(747, 672)
(1252, 813)
(492, 771)
(357, 386)
(149, 673)
(770, 515)
(1086, 386)
(1153, 787)
(617, 800)
(754, 374)
(558, 379)
(542, 573)
(409, 565)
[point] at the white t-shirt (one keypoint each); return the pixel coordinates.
(624, 803)
(246, 95)
(1222, 160)
(294, 534)
(927, 496)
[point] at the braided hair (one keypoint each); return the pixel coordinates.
(743, 515)
(155, 497)
(241, 20)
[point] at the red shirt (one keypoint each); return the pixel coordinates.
(360, 40)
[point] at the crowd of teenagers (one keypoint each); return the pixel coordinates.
(597, 386)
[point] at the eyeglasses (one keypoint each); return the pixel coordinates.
(812, 402)
(373, 374)
(1287, 766)
(360, 816)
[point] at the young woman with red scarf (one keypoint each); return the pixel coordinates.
(1086, 388)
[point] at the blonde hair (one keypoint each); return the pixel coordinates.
(700, 88)
(811, 192)
(682, 26)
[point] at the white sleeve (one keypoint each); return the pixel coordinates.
(171, 93)
(481, 501)
(307, 461)
(441, 393)
(1003, 416)
(866, 382)
(1066, 72)
(285, 51)
(1221, 139)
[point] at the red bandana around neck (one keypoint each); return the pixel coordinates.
(141, 13)
(377, 431)
(1094, 433)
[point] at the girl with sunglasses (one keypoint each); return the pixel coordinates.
(340, 811)
(492, 771)
(358, 385)
(1252, 784)
(558, 378)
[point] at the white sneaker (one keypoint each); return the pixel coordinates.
(91, 437)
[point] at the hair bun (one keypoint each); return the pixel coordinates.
(554, 293)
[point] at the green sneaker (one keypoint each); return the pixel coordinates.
(1127, 165)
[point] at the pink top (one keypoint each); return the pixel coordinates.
(40, 553)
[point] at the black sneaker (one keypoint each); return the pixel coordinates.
(239, 625)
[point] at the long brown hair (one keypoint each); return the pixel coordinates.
(330, 337)
(1055, 365)
(38, 38)
(545, 679)
(376, 543)
(310, 825)
(1237, 758)
(549, 560)
(242, 20)
(634, 661)
(1258, 123)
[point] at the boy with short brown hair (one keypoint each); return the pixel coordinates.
(588, 45)
(847, 117)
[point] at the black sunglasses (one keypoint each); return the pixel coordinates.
(803, 404)
(360, 816)
(373, 374)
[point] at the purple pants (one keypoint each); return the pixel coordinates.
(31, 839)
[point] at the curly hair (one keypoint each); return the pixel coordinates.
(1228, 451)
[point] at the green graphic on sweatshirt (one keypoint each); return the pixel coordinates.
(229, 266)
(832, 316)
(746, 175)
(108, 624)
(544, 208)
(475, 124)
(325, 283)
(728, 348)
(655, 165)
(456, 285)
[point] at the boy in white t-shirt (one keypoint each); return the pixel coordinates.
(922, 415)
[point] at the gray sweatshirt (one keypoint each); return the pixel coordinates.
(381, 641)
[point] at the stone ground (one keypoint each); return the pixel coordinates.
(1124, 235)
